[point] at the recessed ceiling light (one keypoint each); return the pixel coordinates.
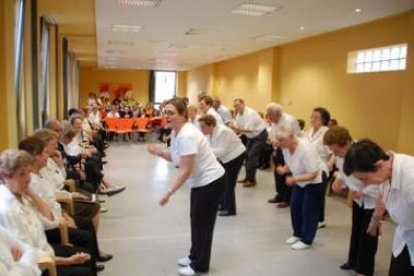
(139, 3)
(254, 9)
(270, 38)
(358, 10)
(126, 28)
(301, 28)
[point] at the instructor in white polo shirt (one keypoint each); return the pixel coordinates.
(198, 167)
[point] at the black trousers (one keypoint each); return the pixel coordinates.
(228, 200)
(401, 265)
(323, 191)
(203, 212)
(362, 246)
(283, 191)
(254, 149)
(86, 269)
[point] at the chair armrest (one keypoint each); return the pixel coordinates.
(46, 262)
(70, 184)
(66, 201)
(64, 234)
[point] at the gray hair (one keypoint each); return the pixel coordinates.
(284, 131)
(274, 108)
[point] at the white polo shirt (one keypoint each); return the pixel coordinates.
(225, 114)
(398, 197)
(250, 120)
(225, 143)
(211, 111)
(304, 160)
(285, 118)
(190, 141)
(371, 191)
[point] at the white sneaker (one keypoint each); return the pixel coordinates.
(184, 261)
(103, 208)
(186, 271)
(300, 246)
(292, 240)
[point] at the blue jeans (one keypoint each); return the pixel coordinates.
(305, 205)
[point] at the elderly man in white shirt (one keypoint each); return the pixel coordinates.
(16, 257)
(369, 163)
(229, 149)
(362, 247)
(205, 105)
(277, 119)
(249, 123)
(223, 111)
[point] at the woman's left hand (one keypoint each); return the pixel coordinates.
(164, 199)
(290, 180)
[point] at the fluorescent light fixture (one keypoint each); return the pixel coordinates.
(126, 28)
(270, 38)
(139, 3)
(254, 9)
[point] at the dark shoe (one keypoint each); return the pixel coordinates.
(242, 181)
(274, 200)
(104, 258)
(99, 267)
(248, 184)
(265, 167)
(114, 190)
(282, 205)
(346, 266)
(225, 213)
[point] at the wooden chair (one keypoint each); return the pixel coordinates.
(66, 201)
(70, 184)
(46, 262)
(64, 232)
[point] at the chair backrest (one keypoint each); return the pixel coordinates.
(125, 125)
(142, 123)
(112, 123)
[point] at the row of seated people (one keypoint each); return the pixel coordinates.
(33, 178)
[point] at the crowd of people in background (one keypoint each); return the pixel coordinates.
(219, 140)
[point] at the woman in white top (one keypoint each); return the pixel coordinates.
(308, 172)
(231, 152)
(362, 247)
(368, 162)
(319, 119)
(26, 215)
(16, 258)
(203, 173)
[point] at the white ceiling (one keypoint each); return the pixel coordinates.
(162, 44)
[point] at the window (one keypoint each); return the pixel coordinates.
(165, 84)
(18, 65)
(389, 58)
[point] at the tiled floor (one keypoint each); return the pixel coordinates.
(146, 239)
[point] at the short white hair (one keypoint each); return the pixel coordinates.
(274, 108)
(284, 131)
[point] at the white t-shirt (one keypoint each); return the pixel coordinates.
(225, 143)
(112, 115)
(211, 111)
(316, 138)
(190, 141)
(95, 118)
(304, 160)
(26, 266)
(250, 120)
(225, 114)
(371, 191)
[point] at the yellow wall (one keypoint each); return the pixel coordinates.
(181, 84)
(8, 137)
(91, 77)
(312, 72)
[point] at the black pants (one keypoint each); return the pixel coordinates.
(86, 269)
(323, 191)
(203, 213)
(363, 246)
(228, 200)
(264, 160)
(254, 149)
(283, 191)
(401, 265)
